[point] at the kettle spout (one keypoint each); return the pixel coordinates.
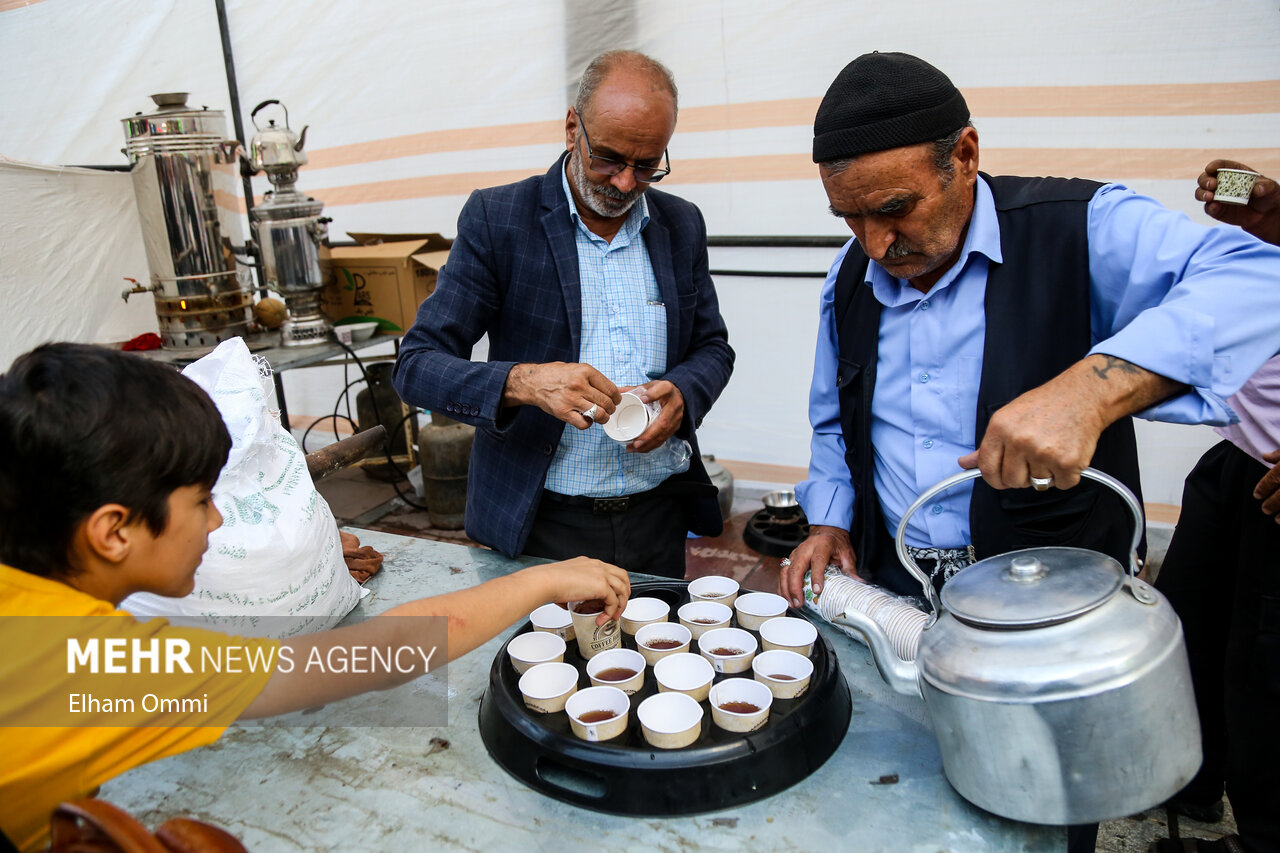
(899, 674)
(302, 139)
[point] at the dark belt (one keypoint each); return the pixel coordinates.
(603, 505)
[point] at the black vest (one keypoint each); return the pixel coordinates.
(1037, 325)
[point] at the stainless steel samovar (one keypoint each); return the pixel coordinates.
(289, 230)
(184, 180)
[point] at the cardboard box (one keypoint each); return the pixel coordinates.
(385, 278)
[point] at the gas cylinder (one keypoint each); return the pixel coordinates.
(378, 403)
(444, 451)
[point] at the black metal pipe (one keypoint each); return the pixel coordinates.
(233, 89)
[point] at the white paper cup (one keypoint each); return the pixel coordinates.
(595, 699)
(547, 686)
(670, 720)
(744, 690)
(756, 608)
(593, 638)
(1235, 185)
(789, 634)
(728, 638)
(786, 674)
(684, 673)
(535, 647)
(643, 611)
(617, 659)
(553, 619)
(663, 632)
(632, 417)
(713, 588)
(690, 615)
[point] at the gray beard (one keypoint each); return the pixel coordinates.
(898, 250)
(607, 200)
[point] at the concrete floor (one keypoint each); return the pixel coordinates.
(360, 501)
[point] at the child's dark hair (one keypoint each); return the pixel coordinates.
(82, 426)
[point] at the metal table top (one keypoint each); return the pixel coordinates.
(314, 788)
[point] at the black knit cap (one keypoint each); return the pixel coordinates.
(885, 100)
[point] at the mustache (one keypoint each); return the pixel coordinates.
(899, 249)
(611, 192)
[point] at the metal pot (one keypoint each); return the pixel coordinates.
(1058, 686)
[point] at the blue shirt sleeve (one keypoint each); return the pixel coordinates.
(1198, 305)
(827, 496)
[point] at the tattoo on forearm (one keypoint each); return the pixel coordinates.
(1119, 363)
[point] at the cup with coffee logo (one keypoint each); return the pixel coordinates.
(755, 608)
(620, 668)
(713, 588)
(670, 720)
(728, 649)
(660, 639)
(598, 713)
(535, 647)
(701, 616)
(684, 673)
(547, 686)
(786, 674)
(789, 634)
(593, 638)
(740, 704)
(553, 619)
(643, 611)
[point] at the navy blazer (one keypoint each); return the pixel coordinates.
(513, 274)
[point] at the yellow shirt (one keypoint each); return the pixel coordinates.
(65, 730)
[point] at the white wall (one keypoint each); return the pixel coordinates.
(411, 104)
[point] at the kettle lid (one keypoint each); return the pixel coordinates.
(1032, 587)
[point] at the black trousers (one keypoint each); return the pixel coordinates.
(647, 535)
(1222, 575)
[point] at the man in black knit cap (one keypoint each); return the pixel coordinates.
(1009, 324)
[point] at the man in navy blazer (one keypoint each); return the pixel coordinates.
(587, 283)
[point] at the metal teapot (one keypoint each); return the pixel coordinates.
(276, 150)
(1057, 684)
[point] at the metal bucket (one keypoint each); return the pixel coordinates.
(184, 181)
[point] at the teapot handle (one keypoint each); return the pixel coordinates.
(973, 473)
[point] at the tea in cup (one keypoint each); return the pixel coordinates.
(728, 649)
(786, 674)
(660, 639)
(593, 638)
(598, 713)
(740, 704)
(701, 616)
(620, 668)
(713, 588)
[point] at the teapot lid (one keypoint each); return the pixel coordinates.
(1032, 587)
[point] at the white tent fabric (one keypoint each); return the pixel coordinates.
(413, 103)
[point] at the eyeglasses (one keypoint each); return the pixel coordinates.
(606, 166)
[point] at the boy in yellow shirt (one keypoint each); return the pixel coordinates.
(105, 479)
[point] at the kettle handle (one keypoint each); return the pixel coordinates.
(973, 473)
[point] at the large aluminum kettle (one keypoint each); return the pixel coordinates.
(1057, 684)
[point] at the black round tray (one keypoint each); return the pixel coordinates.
(627, 776)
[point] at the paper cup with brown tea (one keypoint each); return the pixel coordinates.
(620, 668)
(598, 713)
(786, 674)
(740, 704)
(660, 639)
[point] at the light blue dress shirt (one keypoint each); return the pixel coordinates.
(1198, 305)
(624, 336)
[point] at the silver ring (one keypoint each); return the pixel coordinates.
(590, 414)
(785, 563)
(1041, 483)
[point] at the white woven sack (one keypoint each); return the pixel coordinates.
(277, 553)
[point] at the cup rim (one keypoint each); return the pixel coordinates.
(728, 616)
(809, 627)
(572, 670)
(768, 700)
(709, 670)
(660, 613)
(755, 663)
(591, 673)
(744, 603)
(597, 690)
(555, 641)
(702, 581)
(655, 627)
(547, 608)
(685, 700)
(750, 650)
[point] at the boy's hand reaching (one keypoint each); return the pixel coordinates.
(583, 578)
